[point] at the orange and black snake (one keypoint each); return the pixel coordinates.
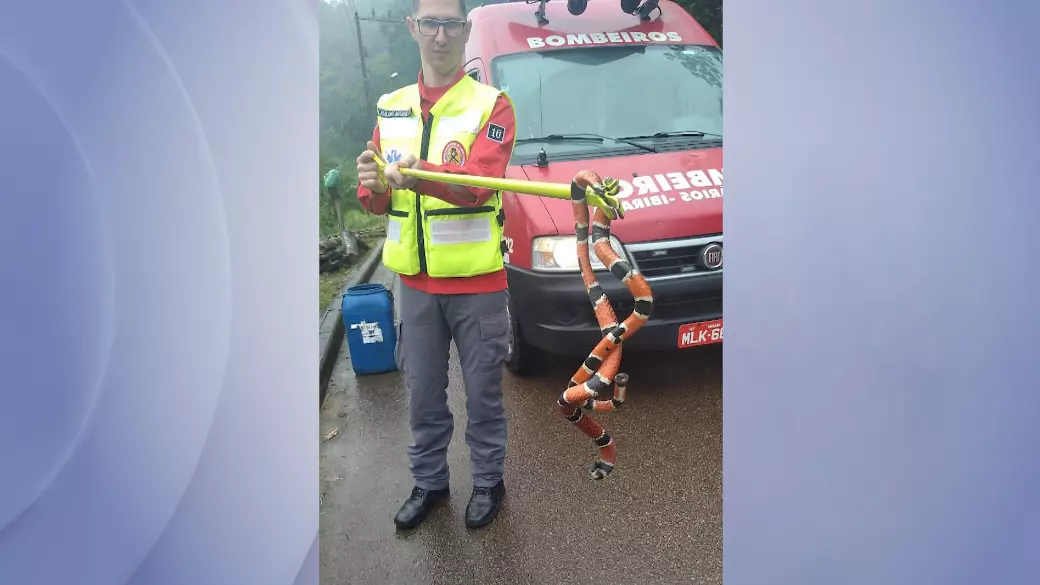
(600, 369)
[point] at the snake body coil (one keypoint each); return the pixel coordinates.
(600, 369)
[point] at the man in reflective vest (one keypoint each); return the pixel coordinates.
(446, 244)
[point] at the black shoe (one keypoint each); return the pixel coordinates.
(484, 505)
(415, 508)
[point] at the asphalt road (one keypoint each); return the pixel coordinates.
(657, 519)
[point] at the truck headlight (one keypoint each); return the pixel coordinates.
(560, 254)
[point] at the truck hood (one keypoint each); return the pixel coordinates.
(665, 195)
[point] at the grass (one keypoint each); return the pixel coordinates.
(330, 285)
(353, 219)
(359, 220)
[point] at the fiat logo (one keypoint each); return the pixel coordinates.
(711, 256)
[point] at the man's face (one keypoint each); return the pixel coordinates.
(441, 31)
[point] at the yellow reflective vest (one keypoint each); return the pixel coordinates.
(425, 234)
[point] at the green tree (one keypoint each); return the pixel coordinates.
(346, 112)
(708, 13)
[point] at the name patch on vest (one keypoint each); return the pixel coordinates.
(454, 154)
(496, 133)
(407, 113)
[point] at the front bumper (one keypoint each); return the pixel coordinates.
(555, 314)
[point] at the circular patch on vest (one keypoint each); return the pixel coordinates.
(454, 154)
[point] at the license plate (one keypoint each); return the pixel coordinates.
(704, 333)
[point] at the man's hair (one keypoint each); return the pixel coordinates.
(462, 7)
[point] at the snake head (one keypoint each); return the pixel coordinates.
(604, 196)
(611, 188)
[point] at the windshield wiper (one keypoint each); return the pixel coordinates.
(584, 137)
(560, 138)
(694, 133)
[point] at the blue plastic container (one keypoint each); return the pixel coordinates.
(368, 317)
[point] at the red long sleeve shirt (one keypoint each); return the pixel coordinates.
(487, 158)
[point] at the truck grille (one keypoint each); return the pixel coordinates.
(672, 258)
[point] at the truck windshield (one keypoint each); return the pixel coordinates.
(612, 91)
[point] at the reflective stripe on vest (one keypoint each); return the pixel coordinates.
(425, 234)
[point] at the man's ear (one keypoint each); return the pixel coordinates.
(411, 27)
(465, 31)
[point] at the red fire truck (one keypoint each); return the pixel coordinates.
(633, 96)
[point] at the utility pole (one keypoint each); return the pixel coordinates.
(361, 44)
(361, 52)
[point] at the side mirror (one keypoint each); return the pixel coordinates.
(577, 7)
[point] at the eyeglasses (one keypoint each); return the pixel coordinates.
(452, 28)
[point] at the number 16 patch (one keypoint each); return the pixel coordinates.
(496, 132)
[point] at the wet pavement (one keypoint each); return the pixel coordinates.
(656, 519)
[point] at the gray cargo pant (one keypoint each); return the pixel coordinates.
(479, 325)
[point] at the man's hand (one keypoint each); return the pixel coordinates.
(368, 170)
(398, 181)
